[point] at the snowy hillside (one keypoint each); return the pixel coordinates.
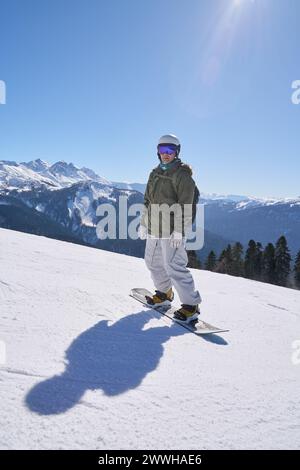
(86, 366)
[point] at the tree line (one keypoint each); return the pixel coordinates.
(272, 264)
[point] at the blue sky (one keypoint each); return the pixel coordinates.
(96, 82)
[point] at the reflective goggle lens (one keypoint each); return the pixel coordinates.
(169, 149)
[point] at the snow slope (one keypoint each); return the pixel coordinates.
(89, 367)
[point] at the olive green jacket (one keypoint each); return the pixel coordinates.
(167, 187)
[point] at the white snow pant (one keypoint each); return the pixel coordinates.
(167, 266)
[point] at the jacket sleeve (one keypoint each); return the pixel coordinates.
(185, 196)
(144, 215)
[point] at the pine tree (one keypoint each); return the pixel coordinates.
(224, 265)
(193, 260)
(250, 260)
(237, 268)
(258, 261)
(297, 271)
(221, 264)
(253, 260)
(282, 262)
(268, 264)
(211, 261)
(229, 259)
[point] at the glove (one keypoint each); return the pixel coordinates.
(176, 239)
(142, 232)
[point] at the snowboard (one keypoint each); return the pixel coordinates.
(199, 327)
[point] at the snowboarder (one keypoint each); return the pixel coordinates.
(170, 183)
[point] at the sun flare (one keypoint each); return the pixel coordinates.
(238, 3)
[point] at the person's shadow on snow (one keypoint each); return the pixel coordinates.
(113, 358)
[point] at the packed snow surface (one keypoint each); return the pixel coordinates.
(85, 366)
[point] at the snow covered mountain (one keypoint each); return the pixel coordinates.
(228, 218)
(72, 209)
(262, 220)
(62, 196)
(37, 173)
(16, 215)
(37, 165)
(141, 187)
(72, 212)
(14, 175)
(84, 366)
(231, 217)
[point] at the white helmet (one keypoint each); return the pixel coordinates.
(169, 139)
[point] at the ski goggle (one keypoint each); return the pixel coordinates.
(167, 148)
